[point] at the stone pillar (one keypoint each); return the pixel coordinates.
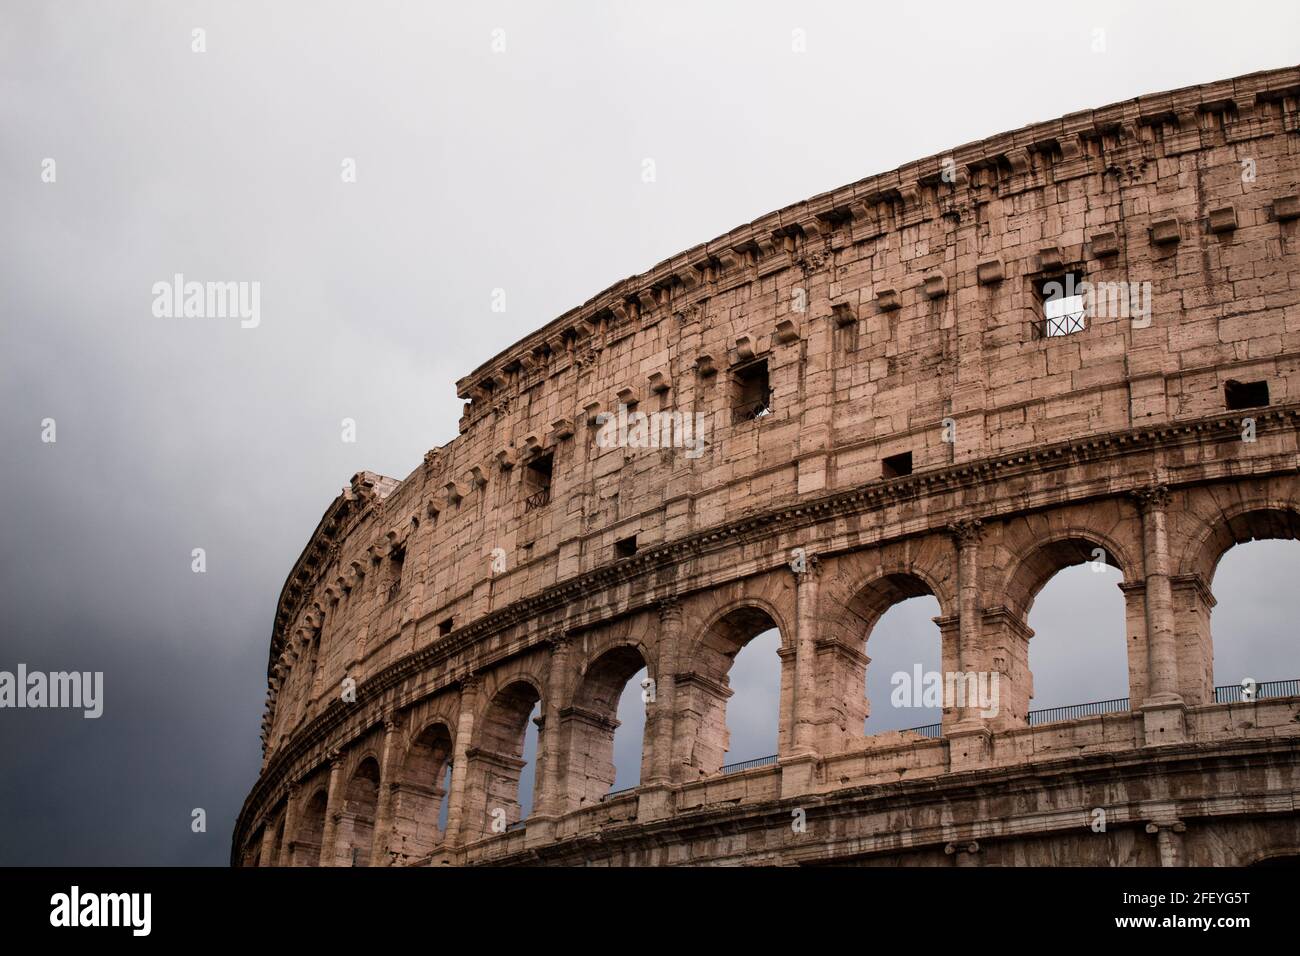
(267, 849)
(469, 692)
(332, 810)
(803, 739)
(967, 535)
(388, 761)
(1162, 646)
(549, 801)
(659, 720)
(290, 826)
(654, 800)
(1193, 603)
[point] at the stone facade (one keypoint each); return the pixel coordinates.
(894, 402)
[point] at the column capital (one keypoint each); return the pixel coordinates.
(670, 610)
(392, 722)
(334, 758)
(1151, 497)
(559, 639)
(966, 531)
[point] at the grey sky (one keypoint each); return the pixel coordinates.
(476, 170)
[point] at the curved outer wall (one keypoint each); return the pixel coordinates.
(901, 314)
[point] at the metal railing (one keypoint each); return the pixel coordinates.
(1051, 715)
(929, 730)
(1067, 324)
(539, 500)
(749, 764)
(1236, 693)
(618, 793)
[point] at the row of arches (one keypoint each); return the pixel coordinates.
(729, 688)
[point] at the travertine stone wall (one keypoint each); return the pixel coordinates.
(900, 314)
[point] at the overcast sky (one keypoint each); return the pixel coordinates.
(475, 170)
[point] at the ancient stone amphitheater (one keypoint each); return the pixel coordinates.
(896, 399)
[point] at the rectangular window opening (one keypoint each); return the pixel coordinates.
(896, 466)
(1062, 309)
(537, 482)
(1245, 394)
(751, 396)
(625, 548)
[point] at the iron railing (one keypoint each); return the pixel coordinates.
(539, 500)
(1066, 324)
(1051, 715)
(618, 793)
(1236, 694)
(929, 730)
(749, 764)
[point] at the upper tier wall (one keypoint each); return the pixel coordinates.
(901, 314)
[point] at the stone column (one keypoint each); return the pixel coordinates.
(549, 802)
(332, 810)
(803, 740)
(388, 760)
(1193, 603)
(290, 826)
(470, 687)
(661, 714)
(967, 535)
(265, 851)
(1163, 710)
(1162, 653)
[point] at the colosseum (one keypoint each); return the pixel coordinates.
(1078, 341)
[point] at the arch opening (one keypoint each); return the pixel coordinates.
(738, 695)
(1254, 609)
(597, 756)
(1078, 662)
(311, 831)
(356, 828)
(903, 672)
(420, 795)
(504, 764)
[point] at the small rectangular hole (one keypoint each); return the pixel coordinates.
(1245, 394)
(896, 466)
(444, 627)
(625, 548)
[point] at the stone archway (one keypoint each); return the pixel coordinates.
(701, 739)
(497, 762)
(587, 727)
(310, 835)
(356, 827)
(419, 791)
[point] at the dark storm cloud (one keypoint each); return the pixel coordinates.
(476, 171)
